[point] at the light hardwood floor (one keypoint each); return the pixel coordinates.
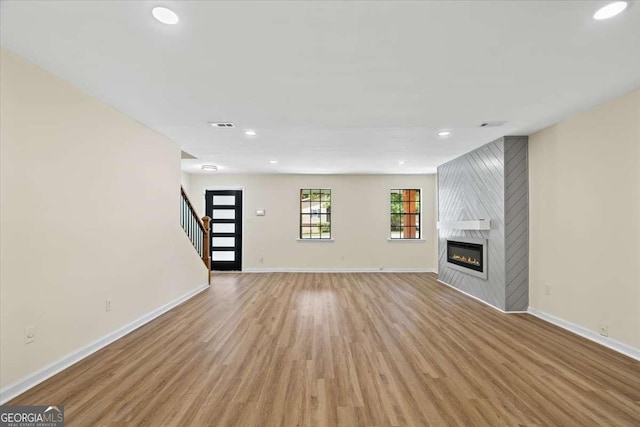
(345, 349)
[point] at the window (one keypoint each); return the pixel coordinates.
(315, 214)
(405, 214)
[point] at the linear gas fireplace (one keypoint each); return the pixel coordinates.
(468, 255)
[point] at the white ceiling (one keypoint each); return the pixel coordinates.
(333, 87)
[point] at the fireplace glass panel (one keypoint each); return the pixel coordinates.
(467, 255)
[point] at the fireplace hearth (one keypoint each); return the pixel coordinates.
(468, 255)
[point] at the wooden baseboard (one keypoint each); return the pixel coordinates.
(47, 372)
(625, 349)
(478, 299)
(339, 270)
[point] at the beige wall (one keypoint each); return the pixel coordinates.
(185, 181)
(585, 219)
(90, 211)
(360, 221)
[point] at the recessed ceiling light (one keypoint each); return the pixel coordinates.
(273, 162)
(164, 15)
(401, 162)
(610, 10)
(250, 132)
(444, 133)
(209, 168)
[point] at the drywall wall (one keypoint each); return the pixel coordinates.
(360, 221)
(185, 181)
(584, 176)
(489, 183)
(90, 212)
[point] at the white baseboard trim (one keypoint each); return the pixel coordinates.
(625, 349)
(47, 372)
(482, 301)
(339, 270)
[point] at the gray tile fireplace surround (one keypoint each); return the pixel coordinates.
(489, 183)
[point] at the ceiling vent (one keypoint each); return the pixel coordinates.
(222, 125)
(492, 124)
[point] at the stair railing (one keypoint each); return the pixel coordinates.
(197, 229)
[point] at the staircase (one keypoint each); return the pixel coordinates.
(197, 229)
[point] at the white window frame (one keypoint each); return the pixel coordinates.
(389, 238)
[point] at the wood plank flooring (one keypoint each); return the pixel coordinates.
(379, 349)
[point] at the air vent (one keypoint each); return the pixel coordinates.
(492, 124)
(222, 124)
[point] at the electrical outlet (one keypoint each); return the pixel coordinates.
(547, 289)
(604, 330)
(108, 305)
(30, 334)
(261, 259)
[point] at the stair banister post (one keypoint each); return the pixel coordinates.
(206, 244)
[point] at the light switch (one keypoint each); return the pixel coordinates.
(260, 212)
